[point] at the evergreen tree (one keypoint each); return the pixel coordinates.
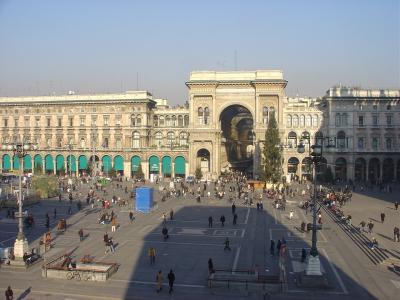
(272, 153)
(139, 172)
(198, 173)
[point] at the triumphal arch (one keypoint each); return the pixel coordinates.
(228, 113)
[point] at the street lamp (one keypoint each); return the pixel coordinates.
(70, 159)
(315, 154)
(21, 243)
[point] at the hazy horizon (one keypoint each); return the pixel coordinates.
(115, 46)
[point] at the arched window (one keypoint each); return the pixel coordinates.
(133, 120)
(288, 121)
(200, 115)
(136, 140)
(138, 121)
(180, 120)
(83, 143)
(265, 115)
(161, 121)
(302, 121)
(168, 121)
(295, 121)
(155, 121)
(183, 139)
(186, 120)
(344, 119)
(292, 139)
(271, 111)
(174, 123)
(170, 138)
(158, 138)
(308, 121)
(206, 115)
(341, 139)
(315, 120)
(337, 120)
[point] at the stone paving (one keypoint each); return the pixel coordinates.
(192, 243)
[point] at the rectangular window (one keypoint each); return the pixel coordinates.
(118, 120)
(71, 122)
(82, 120)
(375, 143)
(118, 143)
(389, 120)
(361, 121)
(5, 122)
(106, 120)
(37, 121)
(375, 120)
(94, 120)
(105, 143)
(389, 143)
(48, 121)
(59, 122)
(26, 122)
(361, 141)
(15, 122)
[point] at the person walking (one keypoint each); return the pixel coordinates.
(235, 219)
(152, 255)
(55, 213)
(210, 266)
(383, 217)
(171, 280)
(171, 215)
(278, 246)
(233, 208)
(396, 205)
(47, 221)
(291, 214)
(131, 216)
(80, 233)
(272, 248)
(370, 226)
(159, 281)
(303, 255)
(222, 219)
(9, 293)
(113, 224)
(226, 243)
(396, 233)
(210, 222)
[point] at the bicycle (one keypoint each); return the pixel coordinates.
(74, 274)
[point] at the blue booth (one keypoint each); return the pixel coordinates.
(144, 199)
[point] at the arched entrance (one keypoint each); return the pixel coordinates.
(136, 169)
(82, 163)
(166, 166)
(94, 164)
(106, 164)
(203, 161)
(38, 164)
(341, 169)
(6, 162)
(119, 164)
(71, 164)
(360, 168)
(306, 168)
(180, 166)
(374, 170)
(48, 164)
(237, 142)
(27, 163)
(154, 165)
(293, 164)
(388, 170)
(60, 169)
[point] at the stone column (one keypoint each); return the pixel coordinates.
(172, 169)
(55, 166)
(127, 169)
(145, 169)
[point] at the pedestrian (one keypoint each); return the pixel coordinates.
(222, 219)
(131, 216)
(278, 246)
(303, 255)
(396, 205)
(272, 248)
(55, 213)
(164, 231)
(9, 293)
(47, 221)
(383, 217)
(80, 233)
(171, 215)
(159, 281)
(235, 219)
(171, 279)
(210, 266)
(291, 214)
(164, 216)
(319, 218)
(111, 245)
(210, 222)
(233, 208)
(70, 210)
(113, 224)
(370, 226)
(362, 226)
(226, 243)
(396, 233)
(152, 255)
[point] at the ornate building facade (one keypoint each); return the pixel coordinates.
(221, 127)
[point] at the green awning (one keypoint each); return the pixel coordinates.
(106, 161)
(37, 162)
(180, 165)
(59, 162)
(27, 162)
(118, 163)
(71, 163)
(82, 164)
(49, 165)
(166, 165)
(16, 162)
(154, 163)
(135, 163)
(6, 162)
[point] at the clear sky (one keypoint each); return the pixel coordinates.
(105, 46)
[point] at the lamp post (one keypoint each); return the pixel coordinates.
(70, 159)
(315, 153)
(21, 243)
(94, 155)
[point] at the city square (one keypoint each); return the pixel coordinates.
(199, 150)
